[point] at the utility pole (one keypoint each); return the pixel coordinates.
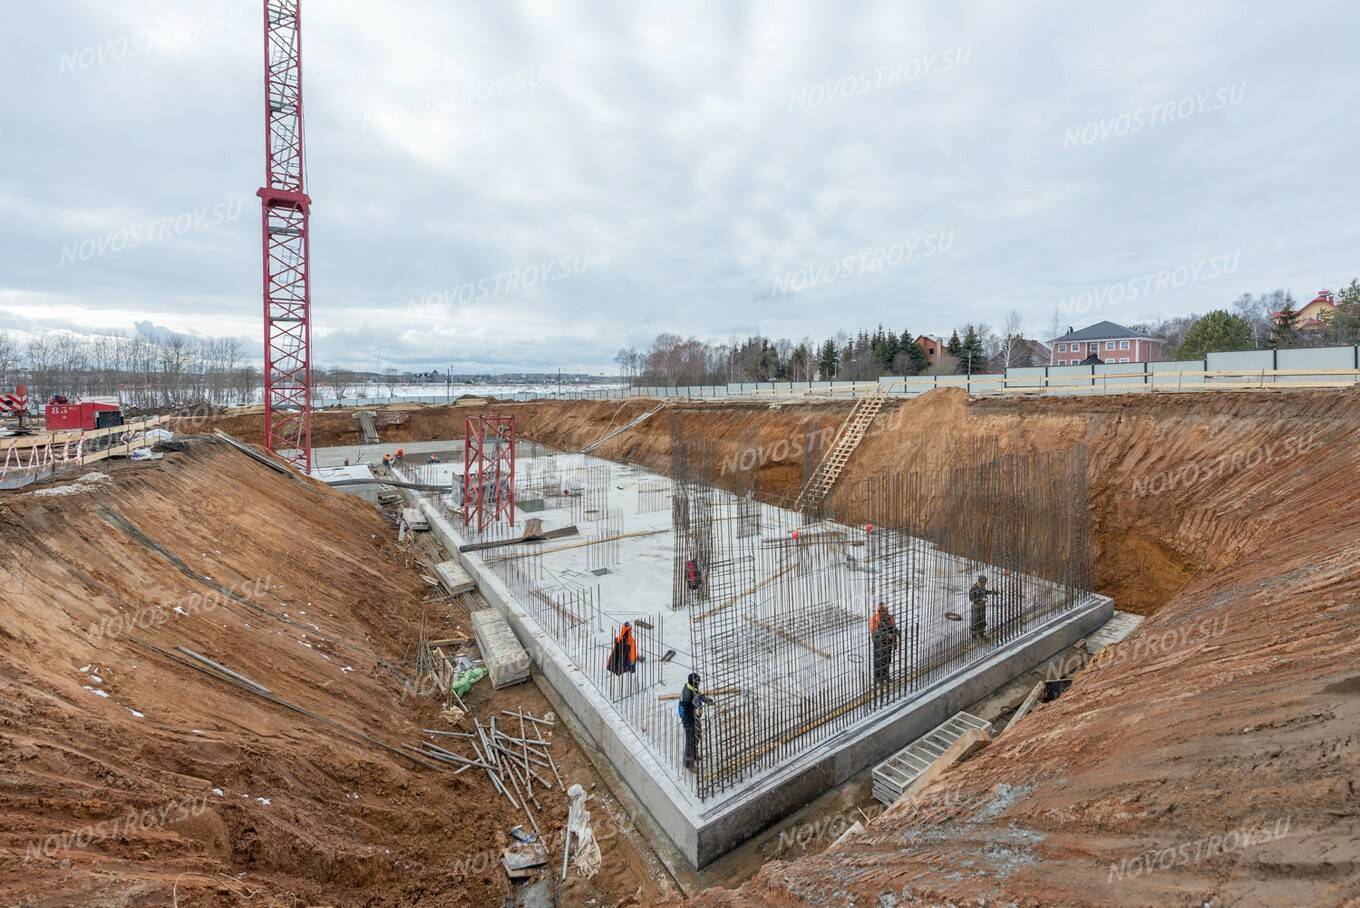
(284, 211)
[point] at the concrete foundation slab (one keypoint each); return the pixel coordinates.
(626, 558)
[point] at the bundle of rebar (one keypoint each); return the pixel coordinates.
(514, 763)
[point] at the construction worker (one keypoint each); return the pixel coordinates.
(401, 455)
(623, 655)
(691, 702)
(884, 637)
(387, 461)
(434, 458)
(693, 579)
(977, 595)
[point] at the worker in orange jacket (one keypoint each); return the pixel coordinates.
(623, 655)
(883, 636)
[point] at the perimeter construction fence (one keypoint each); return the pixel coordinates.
(1293, 369)
(25, 459)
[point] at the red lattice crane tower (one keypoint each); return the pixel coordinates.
(284, 209)
(488, 470)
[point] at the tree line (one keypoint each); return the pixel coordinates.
(1249, 322)
(1259, 322)
(149, 372)
(673, 360)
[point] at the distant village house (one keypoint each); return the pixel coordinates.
(1108, 343)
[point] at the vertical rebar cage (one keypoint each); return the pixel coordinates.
(781, 604)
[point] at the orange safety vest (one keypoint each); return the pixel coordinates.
(877, 620)
(627, 632)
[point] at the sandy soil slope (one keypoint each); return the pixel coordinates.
(128, 779)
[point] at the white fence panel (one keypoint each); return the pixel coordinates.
(1317, 358)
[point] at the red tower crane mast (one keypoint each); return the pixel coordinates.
(284, 209)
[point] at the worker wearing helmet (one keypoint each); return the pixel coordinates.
(691, 702)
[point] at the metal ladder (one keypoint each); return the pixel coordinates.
(895, 774)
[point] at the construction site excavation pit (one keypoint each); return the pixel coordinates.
(772, 608)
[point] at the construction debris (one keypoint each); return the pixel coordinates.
(520, 859)
(414, 518)
(1034, 697)
(453, 578)
(533, 532)
(588, 858)
(505, 659)
(513, 763)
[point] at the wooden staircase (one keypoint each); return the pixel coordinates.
(367, 428)
(851, 433)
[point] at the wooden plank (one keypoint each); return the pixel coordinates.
(67, 436)
(1026, 706)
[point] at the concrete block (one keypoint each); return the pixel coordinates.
(454, 579)
(506, 661)
(415, 518)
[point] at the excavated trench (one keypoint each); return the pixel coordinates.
(1213, 755)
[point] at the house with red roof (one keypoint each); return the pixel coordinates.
(1316, 314)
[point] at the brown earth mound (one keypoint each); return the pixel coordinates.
(128, 778)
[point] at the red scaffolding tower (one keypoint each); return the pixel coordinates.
(284, 208)
(488, 470)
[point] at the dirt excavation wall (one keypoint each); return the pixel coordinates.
(1215, 754)
(128, 778)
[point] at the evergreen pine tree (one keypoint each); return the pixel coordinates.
(1284, 333)
(971, 357)
(827, 357)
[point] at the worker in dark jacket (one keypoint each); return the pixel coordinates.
(977, 595)
(883, 635)
(690, 703)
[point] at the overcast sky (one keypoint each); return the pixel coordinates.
(507, 185)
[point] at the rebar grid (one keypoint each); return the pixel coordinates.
(780, 617)
(653, 495)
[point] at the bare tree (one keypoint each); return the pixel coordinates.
(9, 362)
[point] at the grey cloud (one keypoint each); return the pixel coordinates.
(669, 142)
